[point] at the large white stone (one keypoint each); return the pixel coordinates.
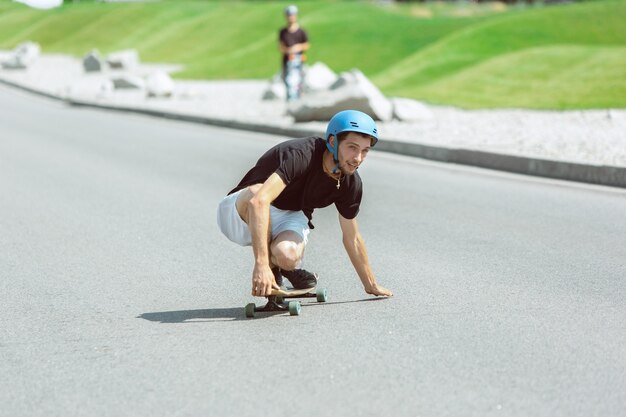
(28, 52)
(22, 56)
(160, 84)
(407, 110)
(127, 59)
(351, 91)
(318, 77)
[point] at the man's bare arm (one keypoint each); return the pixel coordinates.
(355, 246)
(258, 211)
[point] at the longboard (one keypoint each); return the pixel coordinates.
(275, 301)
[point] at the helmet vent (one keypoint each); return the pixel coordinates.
(354, 124)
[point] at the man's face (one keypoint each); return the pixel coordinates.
(352, 152)
(291, 18)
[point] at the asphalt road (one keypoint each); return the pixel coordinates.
(119, 297)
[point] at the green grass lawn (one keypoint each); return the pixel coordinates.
(553, 57)
(464, 54)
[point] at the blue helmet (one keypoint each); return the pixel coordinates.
(349, 121)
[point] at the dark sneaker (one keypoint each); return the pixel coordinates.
(277, 276)
(300, 279)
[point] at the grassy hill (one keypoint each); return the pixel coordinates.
(554, 57)
(226, 39)
(571, 56)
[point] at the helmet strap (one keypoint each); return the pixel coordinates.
(334, 150)
(335, 170)
(336, 159)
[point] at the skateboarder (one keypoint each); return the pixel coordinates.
(293, 43)
(271, 208)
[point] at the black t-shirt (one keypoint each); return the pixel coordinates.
(292, 38)
(298, 162)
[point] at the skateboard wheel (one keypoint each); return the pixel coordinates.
(322, 295)
(250, 310)
(294, 308)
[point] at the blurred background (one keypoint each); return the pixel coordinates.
(535, 54)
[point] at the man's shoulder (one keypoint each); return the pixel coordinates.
(301, 152)
(306, 143)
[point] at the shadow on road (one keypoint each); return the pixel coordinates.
(224, 314)
(194, 316)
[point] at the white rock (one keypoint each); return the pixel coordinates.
(22, 56)
(405, 109)
(318, 77)
(160, 84)
(351, 91)
(28, 52)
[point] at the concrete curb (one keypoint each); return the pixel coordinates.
(570, 171)
(29, 90)
(592, 174)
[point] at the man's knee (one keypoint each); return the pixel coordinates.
(287, 254)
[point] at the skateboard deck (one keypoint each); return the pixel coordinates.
(275, 301)
(292, 292)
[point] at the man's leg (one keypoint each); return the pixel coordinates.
(287, 250)
(291, 234)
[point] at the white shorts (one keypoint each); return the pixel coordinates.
(235, 229)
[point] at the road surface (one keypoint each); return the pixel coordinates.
(119, 297)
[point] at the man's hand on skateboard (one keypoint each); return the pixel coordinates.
(263, 281)
(378, 291)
